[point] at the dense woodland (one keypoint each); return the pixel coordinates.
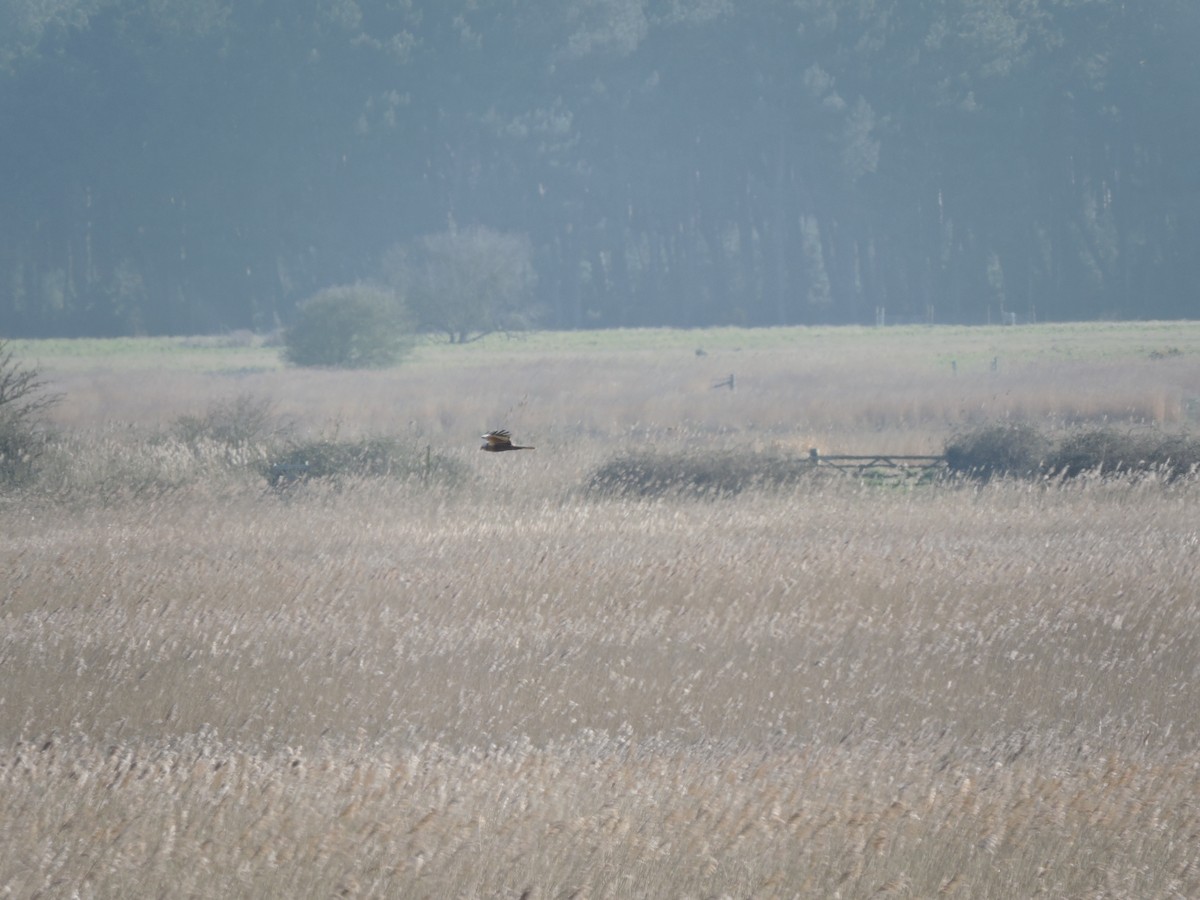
(188, 166)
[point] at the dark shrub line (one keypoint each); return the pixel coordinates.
(1005, 450)
(654, 473)
(371, 457)
(1021, 450)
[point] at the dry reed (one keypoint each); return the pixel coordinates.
(515, 689)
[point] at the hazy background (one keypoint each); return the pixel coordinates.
(190, 166)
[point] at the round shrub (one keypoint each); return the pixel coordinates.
(353, 326)
(995, 450)
(1109, 451)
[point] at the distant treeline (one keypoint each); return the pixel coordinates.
(189, 166)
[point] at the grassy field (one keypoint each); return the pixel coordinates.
(504, 686)
(842, 389)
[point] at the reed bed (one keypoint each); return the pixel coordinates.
(509, 687)
(841, 689)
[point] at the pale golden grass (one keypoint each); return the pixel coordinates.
(840, 689)
(514, 689)
(826, 388)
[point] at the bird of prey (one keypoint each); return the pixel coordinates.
(498, 441)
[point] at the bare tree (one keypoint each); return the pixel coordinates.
(23, 398)
(466, 282)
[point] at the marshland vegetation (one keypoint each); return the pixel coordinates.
(494, 682)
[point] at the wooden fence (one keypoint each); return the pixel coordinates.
(887, 465)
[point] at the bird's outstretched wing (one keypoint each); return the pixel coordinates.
(498, 440)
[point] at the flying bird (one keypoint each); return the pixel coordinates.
(498, 441)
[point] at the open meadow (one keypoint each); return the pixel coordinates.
(483, 679)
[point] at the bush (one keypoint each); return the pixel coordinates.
(23, 399)
(239, 422)
(373, 457)
(995, 450)
(654, 474)
(1024, 451)
(353, 326)
(122, 462)
(1104, 450)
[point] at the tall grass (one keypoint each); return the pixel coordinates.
(833, 690)
(516, 688)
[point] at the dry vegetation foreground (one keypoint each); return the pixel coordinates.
(842, 689)
(512, 688)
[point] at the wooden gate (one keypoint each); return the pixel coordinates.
(882, 465)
